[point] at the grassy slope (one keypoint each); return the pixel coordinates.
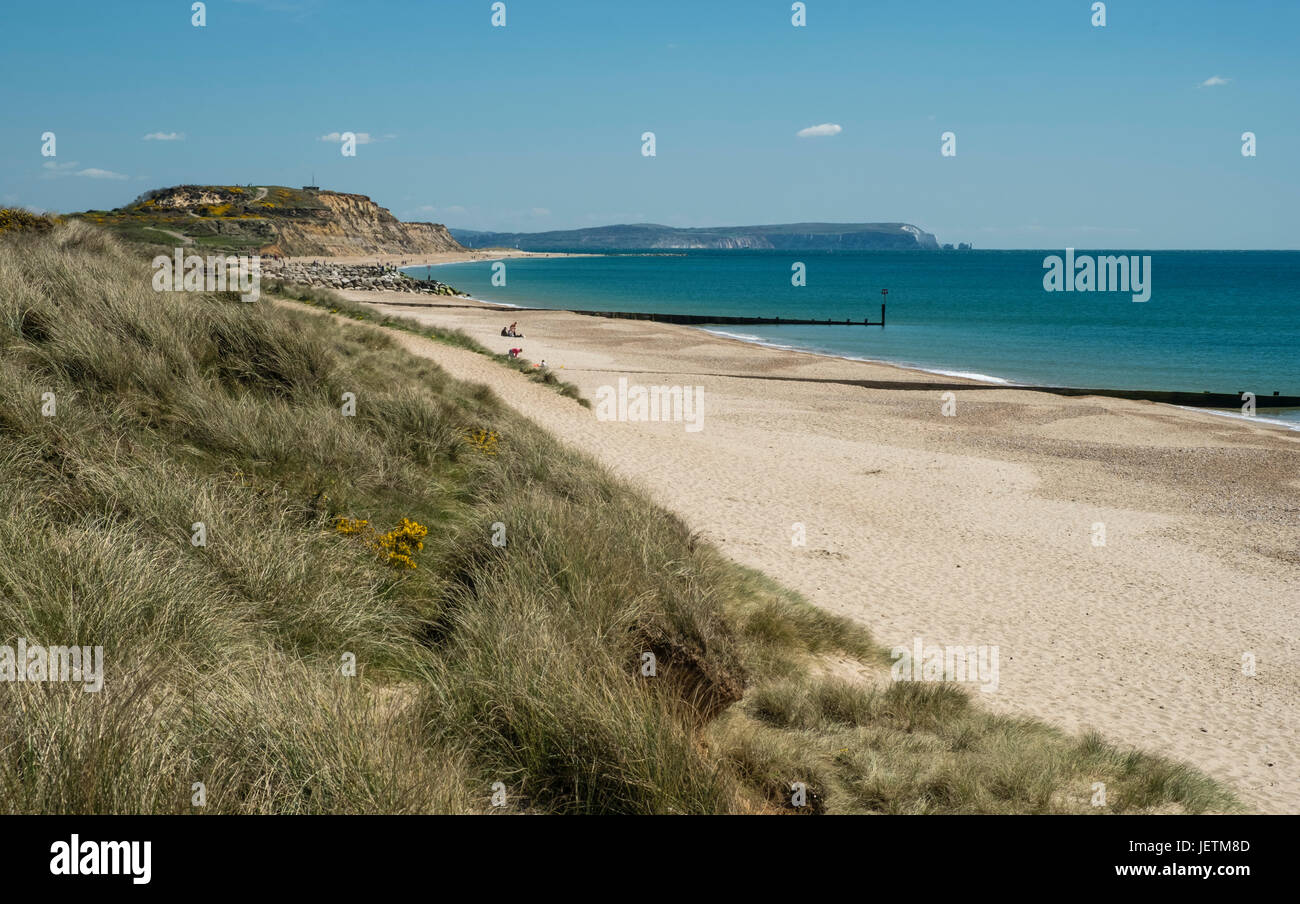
(515, 664)
(239, 224)
(337, 304)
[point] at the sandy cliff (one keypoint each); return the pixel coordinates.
(355, 225)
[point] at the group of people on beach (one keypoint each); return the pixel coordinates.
(513, 332)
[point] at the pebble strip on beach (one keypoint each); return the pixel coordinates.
(352, 276)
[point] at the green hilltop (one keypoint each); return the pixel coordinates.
(268, 219)
(217, 217)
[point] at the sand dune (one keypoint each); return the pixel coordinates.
(976, 528)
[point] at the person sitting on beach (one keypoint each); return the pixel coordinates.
(505, 331)
(514, 330)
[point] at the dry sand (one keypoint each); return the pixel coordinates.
(972, 529)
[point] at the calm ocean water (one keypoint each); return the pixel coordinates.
(1224, 321)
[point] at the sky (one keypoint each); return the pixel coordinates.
(1067, 134)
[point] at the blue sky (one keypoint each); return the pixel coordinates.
(1067, 134)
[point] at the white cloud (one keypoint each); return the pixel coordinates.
(826, 128)
(93, 173)
(541, 212)
(164, 136)
(1214, 81)
(362, 137)
(53, 169)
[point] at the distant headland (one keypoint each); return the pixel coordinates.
(651, 236)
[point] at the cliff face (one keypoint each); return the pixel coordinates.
(273, 219)
(347, 225)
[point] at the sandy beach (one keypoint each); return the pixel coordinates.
(976, 528)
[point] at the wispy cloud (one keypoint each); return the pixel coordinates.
(826, 128)
(93, 173)
(1214, 81)
(164, 136)
(53, 169)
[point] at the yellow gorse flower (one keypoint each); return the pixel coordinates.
(483, 440)
(351, 525)
(401, 543)
(398, 547)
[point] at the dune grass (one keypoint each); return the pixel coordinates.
(337, 304)
(514, 665)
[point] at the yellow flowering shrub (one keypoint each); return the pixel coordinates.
(351, 525)
(401, 543)
(483, 440)
(398, 547)
(15, 219)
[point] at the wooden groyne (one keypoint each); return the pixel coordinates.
(723, 320)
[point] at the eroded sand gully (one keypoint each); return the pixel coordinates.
(974, 529)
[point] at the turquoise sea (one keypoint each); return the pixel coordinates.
(1224, 321)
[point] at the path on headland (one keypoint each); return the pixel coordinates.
(980, 528)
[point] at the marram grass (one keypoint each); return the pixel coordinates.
(337, 304)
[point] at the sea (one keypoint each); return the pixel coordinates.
(1218, 321)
